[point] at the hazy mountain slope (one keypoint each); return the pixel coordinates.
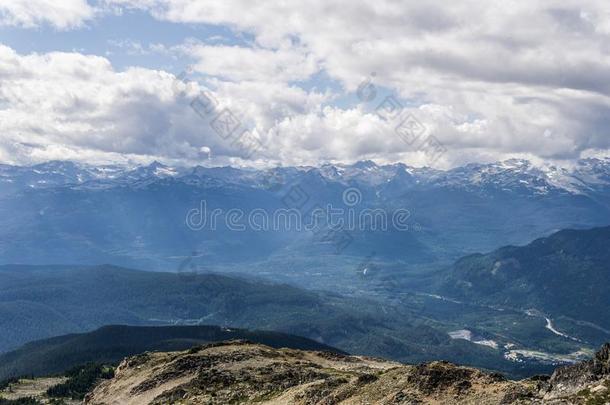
(110, 344)
(63, 212)
(90, 297)
(566, 274)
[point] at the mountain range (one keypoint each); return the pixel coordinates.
(586, 177)
(422, 293)
(64, 212)
(519, 310)
(38, 302)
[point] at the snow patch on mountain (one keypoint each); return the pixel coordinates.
(514, 176)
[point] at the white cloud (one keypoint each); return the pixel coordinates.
(507, 71)
(55, 101)
(237, 63)
(488, 79)
(61, 14)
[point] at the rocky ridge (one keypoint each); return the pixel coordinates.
(240, 372)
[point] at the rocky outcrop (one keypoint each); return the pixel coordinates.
(238, 372)
(578, 380)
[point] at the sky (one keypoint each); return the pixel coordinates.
(244, 83)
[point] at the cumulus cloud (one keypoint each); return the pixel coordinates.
(68, 101)
(487, 79)
(238, 63)
(61, 14)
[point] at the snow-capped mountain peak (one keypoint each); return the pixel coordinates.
(514, 175)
